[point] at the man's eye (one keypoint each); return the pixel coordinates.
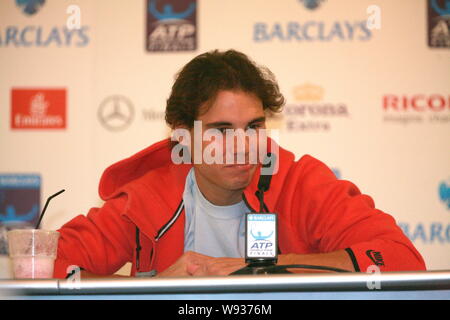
(222, 130)
(255, 126)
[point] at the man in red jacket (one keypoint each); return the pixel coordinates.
(177, 218)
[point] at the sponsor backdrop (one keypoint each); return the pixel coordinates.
(83, 84)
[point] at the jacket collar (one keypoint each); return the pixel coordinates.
(151, 175)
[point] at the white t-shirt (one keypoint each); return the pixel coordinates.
(216, 231)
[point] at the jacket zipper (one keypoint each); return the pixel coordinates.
(166, 227)
(174, 218)
(160, 233)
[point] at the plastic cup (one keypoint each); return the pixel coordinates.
(33, 253)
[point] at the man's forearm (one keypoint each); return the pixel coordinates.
(336, 259)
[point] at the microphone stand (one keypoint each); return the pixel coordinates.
(261, 268)
(261, 265)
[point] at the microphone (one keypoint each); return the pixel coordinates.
(261, 234)
(266, 172)
(265, 178)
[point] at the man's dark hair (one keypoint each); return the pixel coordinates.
(204, 76)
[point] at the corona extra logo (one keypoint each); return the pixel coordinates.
(308, 92)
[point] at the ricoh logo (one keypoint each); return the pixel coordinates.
(416, 108)
(310, 113)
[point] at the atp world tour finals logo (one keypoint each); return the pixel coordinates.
(261, 232)
(171, 25)
(439, 23)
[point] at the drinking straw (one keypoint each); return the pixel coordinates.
(46, 205)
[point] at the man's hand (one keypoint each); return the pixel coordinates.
(196, 264)
(219, 266)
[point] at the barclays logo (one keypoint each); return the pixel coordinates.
(37, 36)
(34, 35)
(433, 233)
(311, 4)
(30, 7)
(312, 31)
(444, 194)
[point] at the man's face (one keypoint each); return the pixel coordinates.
(230, 110)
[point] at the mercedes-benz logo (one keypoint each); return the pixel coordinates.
(116, 113)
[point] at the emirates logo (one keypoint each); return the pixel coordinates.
(38, 108)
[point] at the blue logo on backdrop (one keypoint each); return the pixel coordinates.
(438, 23)
(441, 11)
(311, 4)
(34, 35)
(433, 233)
(30, 7)
(19, 199)
(171, 25)
(444, 193)
(311, 30)
(168, 12)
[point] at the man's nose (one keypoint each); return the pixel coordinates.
(241, 147)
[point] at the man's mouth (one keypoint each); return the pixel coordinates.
(240, 166)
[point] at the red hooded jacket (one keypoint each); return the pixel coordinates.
(142, 219)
